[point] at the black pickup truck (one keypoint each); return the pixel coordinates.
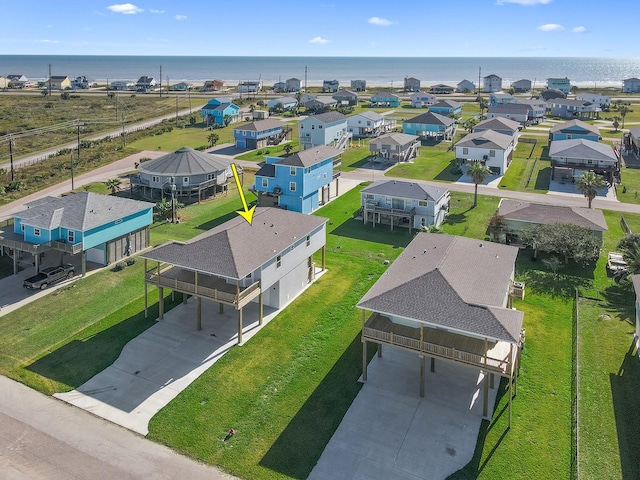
(48, 276)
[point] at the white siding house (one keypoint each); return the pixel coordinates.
(491, 148)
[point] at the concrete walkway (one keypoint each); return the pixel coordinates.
(389, 432)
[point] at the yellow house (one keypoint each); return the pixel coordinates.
(4, 82)
(59, 83)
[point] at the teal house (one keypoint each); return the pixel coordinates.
(447, 107)
(574, 129)
(215, 112)
(385, 99)
(101, 228)
(430, 125)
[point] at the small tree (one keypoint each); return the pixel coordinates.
(478, 173)
(287, 148)
(227, 120)
(588, 184)
(113, 184)
(564, 239)
(615, 123)
(213, 139)
(497, 225)
(623, 110)
(629, 246)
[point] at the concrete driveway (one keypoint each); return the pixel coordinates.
(390, 432)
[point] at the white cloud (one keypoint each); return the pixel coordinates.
(47, 41)
(125, 8)
(526, 3)
(579, 29)
(153, 10)
(181, 17)
(381, 22)
(319, 40)
(550, 27)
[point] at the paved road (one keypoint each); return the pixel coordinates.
(42, 438)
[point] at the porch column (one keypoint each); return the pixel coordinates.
(198, 313)
(422, 369)
(146, 290)
(337, 186)
(84, 262)
(323, 257)
(160, 303)
(185, 297)
(260, 308)
(239, 326)
(364, 349)
(37, 255)
(221, 308)
(433, 365)
(379, 350)
(16, 252)
(485, 400)
(491, 380)
(511, 380)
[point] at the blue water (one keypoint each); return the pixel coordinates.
(582, 71)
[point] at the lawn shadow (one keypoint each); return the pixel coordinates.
(216, 221)
(544, 155)
(624, 389)
(543, 179)
(620, 298)
(362, 163)
(353, 228)
(299, 446)
(472, 469)
(447, 174)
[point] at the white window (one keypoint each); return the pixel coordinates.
(265, 183)
(36, 232)
(155, 179)
(308, 240)
(292, 170)
(492, 153)
(22, 227)
(465, 151)
(278, 261)
(71, 236)
(292, 186)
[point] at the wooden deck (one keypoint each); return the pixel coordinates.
(496, 357)
(191, 283)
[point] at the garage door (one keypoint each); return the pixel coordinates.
(95, 255)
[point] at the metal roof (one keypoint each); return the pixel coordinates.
(185, 161)
(412, 190)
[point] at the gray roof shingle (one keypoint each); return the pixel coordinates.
(413, 190)
(401, 139)
(431, 118)
(185, 161)
(310, 156)
(582, 149)
(561, 127)
(260, 125)
(486, 139)
(541, 213)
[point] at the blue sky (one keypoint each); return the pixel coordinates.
(427, 28)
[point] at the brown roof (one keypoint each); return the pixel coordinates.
(541, 213)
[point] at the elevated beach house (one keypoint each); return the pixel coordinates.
(404, 204)
(465, 86)
(358, 85)
(58, 82)
(500, 98)
(411, 84)
(517, 112)
(571, 158)
(491, 83)
(521, 86)
(260, 133)
(395, 147)
(283, 104)
(602, 100)
(219, 112)
(562, 84)
(320, 103)
(569, 108)
(518, 215)
(269, 262)
(422, 99)
(384, 99)
(328, 128)
(100, 228)
(146, 83)
(446, 107)
(441, 89)
(345, 97)
(631, 85)
(432, 126)
(185, 173)
(449, 298)
(249, 86)
(292, 85)
(490, 148)
(330, 86)
(574, 129)
(299, 182)
(369, 124)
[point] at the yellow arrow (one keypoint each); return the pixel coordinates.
(247, 213)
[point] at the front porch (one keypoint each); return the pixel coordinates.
(388, 216)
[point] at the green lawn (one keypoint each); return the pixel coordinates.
(433, 163)
(273, 150)
(194, 137)
(629, 189)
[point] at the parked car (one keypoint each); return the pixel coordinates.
(48, 276)
(616, 264)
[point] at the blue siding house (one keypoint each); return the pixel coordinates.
(103, 228)
(447, 107)
(574, 129)
(385, 99)
(299, 182)
(430, 125)
(260, 134)
(215, 111)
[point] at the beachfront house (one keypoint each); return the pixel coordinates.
(101, 229)
(422, 99)
(500, 98)
(631, 85)
(394, 147)
(568, 108)
(145, 84)
(320, 103)
(490, 148)
(501, 125)
(449, 298)
(82, 83)
(299, 182)
(491, 83)
(521, 86)
(260, 133)
(328, 128)
(551, 94)
(441, 89)
(369, 124)
(122, 85)
(518, 215)
(220, 113)
(430, 126)
(562, 84)
(17, 81)
(283, 104)
(385, 99)
(571, 158)
(186, 173)
(212, 86)
(58, 82)
(574, 129)
(182, 86)
(446, 107)
(280, 87)
(223, 266)
(345, 97)
(4, 82)
(411, 84)
(595, 98)
(517, 112)
(404, 204)
(292, 84)
(330, 86)
(465, 86)
(358, 85)
(249, 86)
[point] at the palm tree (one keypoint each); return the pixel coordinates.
(623, 112)
(213, 139)
(478, 172)
(615, 123)
(588, 184)
(113, 184)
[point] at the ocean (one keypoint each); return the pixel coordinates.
(380, 71)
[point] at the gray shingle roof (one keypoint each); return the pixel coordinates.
(260, 125)
(235, 249)
(511, 108)
(431, 118)
(375, 116)
(310, 156)
(582, 149)
(486, 139)
(394, 139)
(498, 123)
(635, 132)
(452, 282)
(267, 170)
(540, 213)
(79, 211)
(561, 127)
(413, 190)
(330, 117)
(185, 161)
(447, 104)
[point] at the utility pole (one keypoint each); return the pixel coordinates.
(160, 81)
(479, 74)
(116, 98)
(71, 158)
(78, 125)
(176, 110)
(189, 92)
(124, 134)
(49, 79)
(11, 156)
(305, 79)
